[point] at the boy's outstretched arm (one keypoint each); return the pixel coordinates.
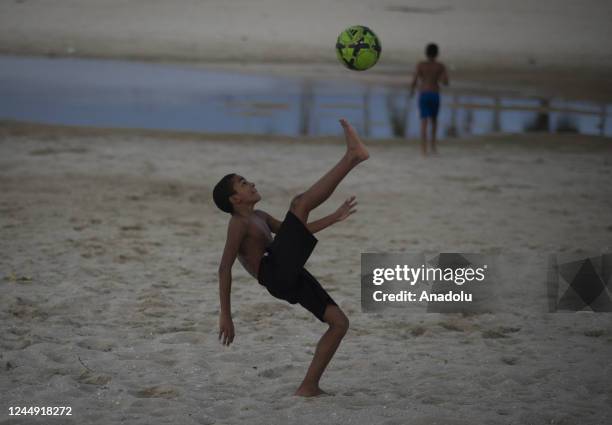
(235, 233)
(347, 208)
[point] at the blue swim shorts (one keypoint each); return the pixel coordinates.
(429, 104)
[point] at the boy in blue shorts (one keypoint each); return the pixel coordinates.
(278, 264)
(429, 74)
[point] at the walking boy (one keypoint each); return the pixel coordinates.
(429, 73)
(278, 264)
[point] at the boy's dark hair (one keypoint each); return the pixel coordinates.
(222, 192)
(431, 50)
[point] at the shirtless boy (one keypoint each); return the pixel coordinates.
(278, 264)
(430, 73)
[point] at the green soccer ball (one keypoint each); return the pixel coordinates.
(358, 48)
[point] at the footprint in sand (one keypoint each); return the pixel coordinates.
(26, 309)
(359, 392)
(131, 228)
(510, 360)
(184, 337)
(92, 378)
(276, 372)
(158, 391)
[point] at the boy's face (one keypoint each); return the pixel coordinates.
(245, 192)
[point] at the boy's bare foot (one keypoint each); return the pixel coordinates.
(310, 392)
(355, 148)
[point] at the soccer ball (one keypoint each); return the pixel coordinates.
(358, 48)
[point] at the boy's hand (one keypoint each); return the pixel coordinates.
(347, 208)
(226, 330)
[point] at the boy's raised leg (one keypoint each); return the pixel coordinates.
(356, 152)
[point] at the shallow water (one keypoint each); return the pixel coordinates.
(109, 93)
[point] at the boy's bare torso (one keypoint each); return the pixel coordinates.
(258, 236)
(430, 74)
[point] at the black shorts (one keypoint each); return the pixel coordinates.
(282, 270)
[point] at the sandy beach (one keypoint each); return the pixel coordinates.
(110, 241)
(110, 306)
